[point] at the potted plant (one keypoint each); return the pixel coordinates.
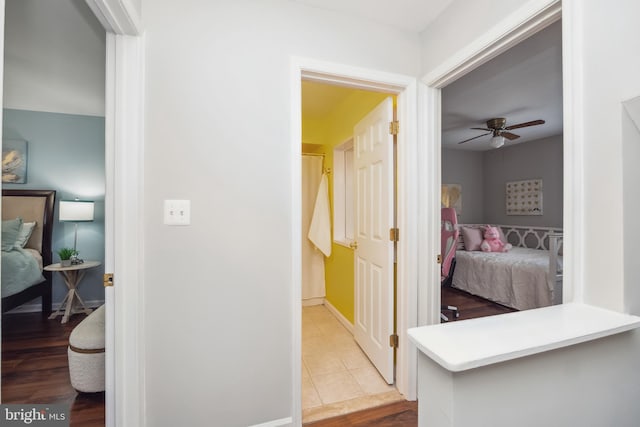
(66, 254)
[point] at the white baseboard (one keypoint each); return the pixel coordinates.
(345, 322)
(276, 423)
(37, 306)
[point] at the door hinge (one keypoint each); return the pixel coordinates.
(394, 234)
(439, 259)
(394, 127)
(107, 279)
(393, 341)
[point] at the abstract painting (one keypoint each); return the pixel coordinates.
(14, 161)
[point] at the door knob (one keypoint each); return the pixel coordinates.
(353, 245)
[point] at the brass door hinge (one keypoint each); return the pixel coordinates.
(394, 127)
(393, 340)
(394, 234)
(107, 279)
(439, 259)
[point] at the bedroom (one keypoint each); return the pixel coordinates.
(54, 106)
(479, 173)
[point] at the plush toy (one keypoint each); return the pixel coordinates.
(492, 242)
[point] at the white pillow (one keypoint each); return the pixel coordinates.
(24, 234)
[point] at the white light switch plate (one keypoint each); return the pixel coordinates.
(177, 212)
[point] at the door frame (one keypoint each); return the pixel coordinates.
(406, 88)
(124, 145)
(523, 23)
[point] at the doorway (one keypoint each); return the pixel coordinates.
(406, 90)
(337, 375)
(123, 157)
(502, 165)
(54, 104)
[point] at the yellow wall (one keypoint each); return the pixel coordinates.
(332, 130)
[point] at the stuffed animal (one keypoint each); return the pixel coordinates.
(492, 242)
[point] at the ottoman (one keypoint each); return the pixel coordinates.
(86, 353)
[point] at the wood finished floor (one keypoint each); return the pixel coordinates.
(405, 414)
(35, 369)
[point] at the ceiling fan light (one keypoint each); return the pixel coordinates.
(497, 141)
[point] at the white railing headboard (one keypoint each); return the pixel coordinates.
(526, 236)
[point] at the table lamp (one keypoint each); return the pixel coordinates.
(76, 211)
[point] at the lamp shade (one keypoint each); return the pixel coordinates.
(76, 210)
(497, 141)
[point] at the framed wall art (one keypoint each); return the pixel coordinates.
(14, 161)
(524, 197)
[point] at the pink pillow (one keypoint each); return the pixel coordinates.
(472, 238)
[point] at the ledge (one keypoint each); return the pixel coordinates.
(467, 344)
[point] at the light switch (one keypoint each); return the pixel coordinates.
(177, 212)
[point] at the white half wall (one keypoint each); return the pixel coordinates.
(54, 57)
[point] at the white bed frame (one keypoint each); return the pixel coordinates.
(542, 238)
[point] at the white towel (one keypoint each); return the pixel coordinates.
(320, 229)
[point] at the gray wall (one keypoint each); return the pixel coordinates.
(66, 154)
(483, 176)
(541, 159)
(466, 168)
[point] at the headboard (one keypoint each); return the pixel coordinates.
(33, 205)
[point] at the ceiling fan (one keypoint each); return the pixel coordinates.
(500, 131)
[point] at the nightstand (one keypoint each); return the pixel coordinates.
(72, 276)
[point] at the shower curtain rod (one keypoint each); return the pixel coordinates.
(324, 170)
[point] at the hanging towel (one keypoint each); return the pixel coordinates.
(320, 229)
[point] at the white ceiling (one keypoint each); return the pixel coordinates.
(408, 15)
(522, 84)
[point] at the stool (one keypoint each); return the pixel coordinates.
(86, 353)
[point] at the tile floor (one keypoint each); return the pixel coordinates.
(337, 377)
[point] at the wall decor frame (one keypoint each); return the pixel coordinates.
(14, 161)
(524, 197)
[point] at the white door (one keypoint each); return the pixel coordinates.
(373, 158)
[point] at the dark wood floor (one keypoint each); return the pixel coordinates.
(399, 414)
(35, 370)
(405, 414)
(470, 306)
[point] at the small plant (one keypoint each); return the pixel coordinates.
(66, 253)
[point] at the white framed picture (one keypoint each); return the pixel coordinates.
(524, 197)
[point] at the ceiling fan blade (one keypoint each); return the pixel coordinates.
(525, 124)
(510, 136)
(488, 130)
(467, 140)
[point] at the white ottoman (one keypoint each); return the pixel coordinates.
(86, 353)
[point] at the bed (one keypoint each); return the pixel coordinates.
(20, 285)
(528, 276)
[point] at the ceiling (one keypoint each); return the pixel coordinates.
(319, 99)
(408, 15)
(521, 85)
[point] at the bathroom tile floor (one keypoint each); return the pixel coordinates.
(337, 377)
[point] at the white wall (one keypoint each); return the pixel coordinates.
(610, 77)
(218, 294)
(54, 57)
